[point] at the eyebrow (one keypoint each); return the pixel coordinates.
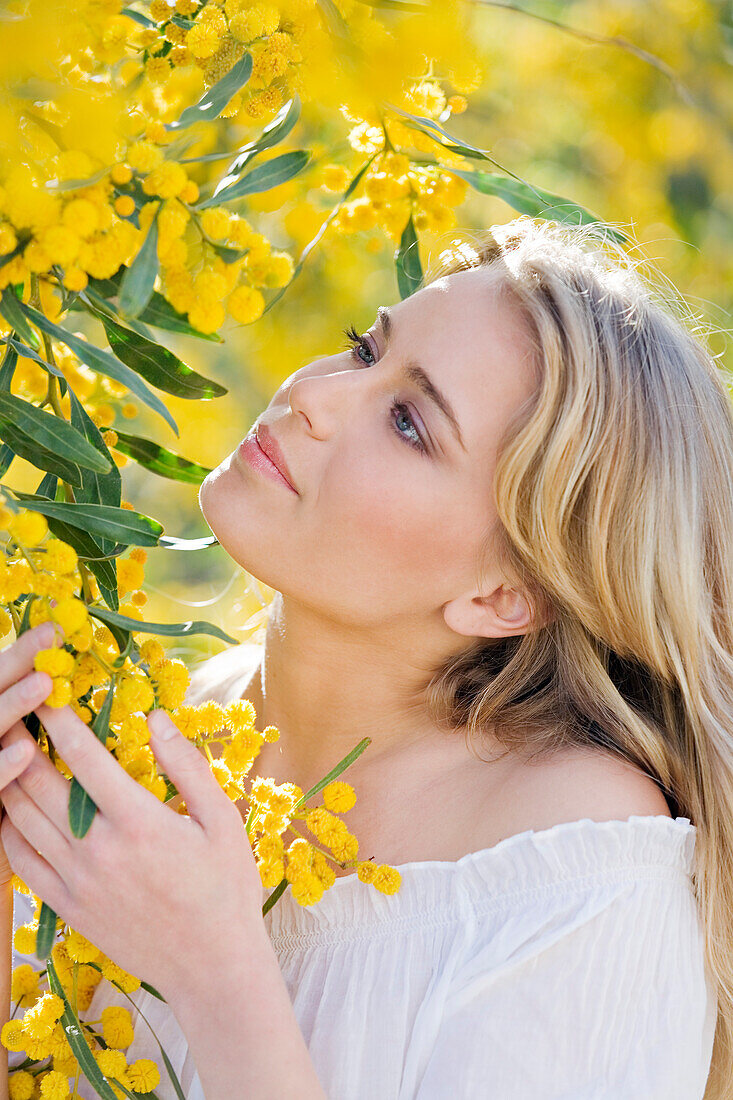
(415, 373)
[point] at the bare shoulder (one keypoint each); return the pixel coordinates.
(592, 783)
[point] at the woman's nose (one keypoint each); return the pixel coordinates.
(323, 393)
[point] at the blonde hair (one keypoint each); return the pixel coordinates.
(614, 492)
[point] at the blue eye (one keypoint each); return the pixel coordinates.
(359, 343)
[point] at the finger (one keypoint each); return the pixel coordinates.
(32, 823)
(42, 781)
(35, 872)
(189, 770)
(12, 761)
(117, 795)
(22, 697)
(17, 658)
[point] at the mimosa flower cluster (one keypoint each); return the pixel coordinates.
(138, 143)
(42, 579)
(88, 166)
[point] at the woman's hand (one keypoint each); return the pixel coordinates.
(21, 689)
(158, 892)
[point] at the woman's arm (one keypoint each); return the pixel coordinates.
(241, 1029)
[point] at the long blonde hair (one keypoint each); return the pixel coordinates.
(614, 493)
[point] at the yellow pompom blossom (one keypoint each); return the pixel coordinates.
(56, 662)
(143, 1074)
(117, 1027)
(245, 304)
(21, 1085)
(338, 796)
(24, 984)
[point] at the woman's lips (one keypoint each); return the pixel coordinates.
(250, 450)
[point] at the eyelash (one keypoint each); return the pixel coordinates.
(358, 341)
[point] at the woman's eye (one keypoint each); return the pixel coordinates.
(358, 344)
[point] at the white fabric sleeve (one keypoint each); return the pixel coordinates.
(608, 999)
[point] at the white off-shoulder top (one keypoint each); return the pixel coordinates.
(559, 964)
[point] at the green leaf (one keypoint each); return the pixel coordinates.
(96, 488)
(7, 370)
(48, 487)
(215, 99)
(159, 460)
(170, 542)
(103, 362)
(167, 630)
(160, 314)
(26, 447)
(272, 134)
(82, 806)
(314, 240)
(138, 280)
(262, 178)
(29, 353)
(430, 127)
(407, 261)
(12, 311)
(7, 454)
(333, 774)
(54, 434)
(138, 17)
(75, 1036)
(159, 366)
(122, 525)
(46, 933)
(533, 200)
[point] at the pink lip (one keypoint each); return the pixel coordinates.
(253, 454)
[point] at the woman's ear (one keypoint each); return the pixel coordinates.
(506, 611)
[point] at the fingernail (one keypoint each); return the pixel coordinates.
(14, 753)
(46, 633)
(162, 727)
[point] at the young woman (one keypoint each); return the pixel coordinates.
(500, 531)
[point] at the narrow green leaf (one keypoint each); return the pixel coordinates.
(29, 353)
(159, 460)
(7, 370)
(171, 1072)
(215, 99)
(159, 366)
(7, 454)
(430, 127)
(82, 806)
(53, 433)
(160, 314)
(533, 200)
(333, 774)
(103, 362)
(314, 240)
(96, 488)
(275, 896)
(46, 933)
(26, 447)
(407, 261)
(170, 542)
(167, 630)
(123, 525)
(75, 1036)
(47, 487)
(262, 178)
(272, 134)
(138, 281)
(12, 311)
(138, 17)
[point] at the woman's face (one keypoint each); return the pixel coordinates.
(391, 506)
